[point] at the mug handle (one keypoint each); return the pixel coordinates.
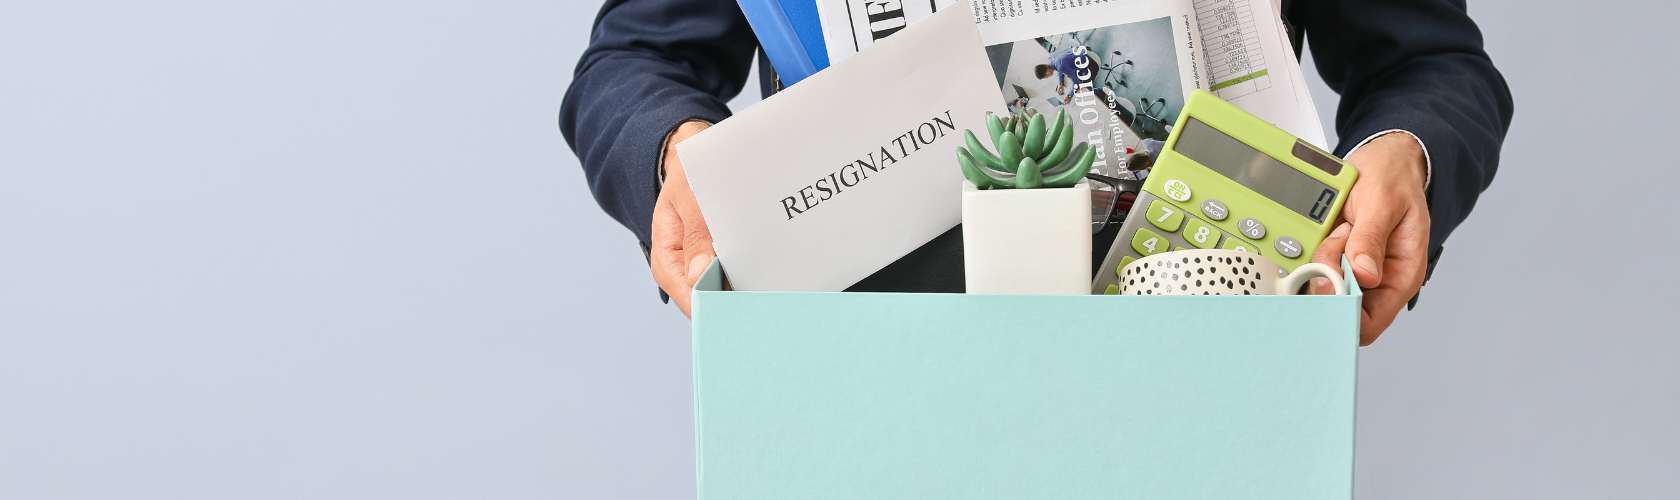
(1290, 284)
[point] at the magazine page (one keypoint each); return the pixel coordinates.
(1121, 69)
(1251, 64)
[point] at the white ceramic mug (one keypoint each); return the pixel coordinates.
(1218, 272)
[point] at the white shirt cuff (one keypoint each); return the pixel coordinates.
(1428, 167)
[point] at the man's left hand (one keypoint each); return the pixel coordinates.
(1386, 230)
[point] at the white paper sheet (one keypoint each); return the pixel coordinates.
(830, 180)
(1252, 65)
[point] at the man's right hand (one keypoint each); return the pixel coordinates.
(681, 246)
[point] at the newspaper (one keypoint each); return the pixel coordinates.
(849, 26)
(1243, 53)
(1251, 64)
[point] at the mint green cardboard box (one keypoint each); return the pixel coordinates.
(922, 396)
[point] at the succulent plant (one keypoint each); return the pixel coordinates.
(1030, 153)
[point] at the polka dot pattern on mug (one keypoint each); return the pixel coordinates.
(1195, 275)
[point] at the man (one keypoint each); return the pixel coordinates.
(1423, 112)
(1064, 65)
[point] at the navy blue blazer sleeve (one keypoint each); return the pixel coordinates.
(1419, 66)
(649, 66)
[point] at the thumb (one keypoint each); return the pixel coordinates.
(696, 266)
(1329, 253)
(1367, 245)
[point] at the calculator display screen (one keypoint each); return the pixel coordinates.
(1255, 170)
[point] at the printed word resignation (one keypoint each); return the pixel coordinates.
(856, 171)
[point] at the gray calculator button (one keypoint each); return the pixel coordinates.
(1252, 228)
(1215, 210)
(1288, 247)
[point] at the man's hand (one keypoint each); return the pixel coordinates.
(1386, 230)
(681, 246)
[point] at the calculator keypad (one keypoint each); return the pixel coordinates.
(1148, 243)
(1200, 234)
(1238, 245)
(1177, 190)
(1170, 227)
(1215, 209)
(1252, 228)
(1164, 215)
(1122, 265)
(1288, 247)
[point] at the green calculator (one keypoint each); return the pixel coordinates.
(1227, 179)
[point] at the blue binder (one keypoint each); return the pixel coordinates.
(790, 34)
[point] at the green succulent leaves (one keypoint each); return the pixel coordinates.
(1034, 141)
(1030, 153)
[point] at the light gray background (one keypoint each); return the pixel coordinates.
(338, 250)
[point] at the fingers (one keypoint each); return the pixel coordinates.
(1403, 274)
(1379, 309)
(1330, 250)
(1408, 253)
(1329, 253)
(682, 244)
(697, 266)
(1381, 303)
(666, 256)
(1367, 244)
(696, 237)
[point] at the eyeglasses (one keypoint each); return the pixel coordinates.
(1111, 198)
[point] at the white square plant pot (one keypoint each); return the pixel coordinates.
(1027, 241)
